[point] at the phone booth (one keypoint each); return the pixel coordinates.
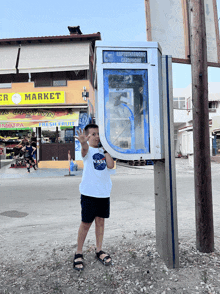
(134, 111)
(129, 99)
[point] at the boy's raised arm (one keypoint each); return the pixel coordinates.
(109, 160)
(81, 136)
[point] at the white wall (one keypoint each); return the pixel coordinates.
(185, 138)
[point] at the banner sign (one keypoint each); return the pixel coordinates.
(37, 118)
(111, 56)
(39, 98)
(168, 23)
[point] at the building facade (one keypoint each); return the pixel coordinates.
(183, 120)
(46, 91)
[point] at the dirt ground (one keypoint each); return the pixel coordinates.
(136, 268)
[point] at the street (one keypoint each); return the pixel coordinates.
(38, 213)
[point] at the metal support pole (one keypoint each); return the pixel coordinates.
(38, 131)
(165, 179)
(202, 163)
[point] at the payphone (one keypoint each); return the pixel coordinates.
(128, 99)
(134, 111)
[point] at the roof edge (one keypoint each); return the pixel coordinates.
(74, 37)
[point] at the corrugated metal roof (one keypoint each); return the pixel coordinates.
(72, 37)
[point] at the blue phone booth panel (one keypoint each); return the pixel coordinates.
(127, 110)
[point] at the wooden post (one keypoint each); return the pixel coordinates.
(202, 164)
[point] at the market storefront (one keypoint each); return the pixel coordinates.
(46, 92)
(53, 129)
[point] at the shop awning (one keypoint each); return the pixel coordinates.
(54, 57)
(17, 119)
(216, 131)
(186, 129)
(214, 96)
(8, 59)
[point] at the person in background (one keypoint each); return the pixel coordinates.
(29, 151)
(33, 144)
(69, 160)
(17, 150)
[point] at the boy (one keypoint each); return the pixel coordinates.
(95, 191)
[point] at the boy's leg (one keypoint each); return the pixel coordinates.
(28, 166)
(99, 231)
(33, 163)
(82, 233)
(87, 220)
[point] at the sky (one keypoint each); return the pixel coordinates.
(121, 20)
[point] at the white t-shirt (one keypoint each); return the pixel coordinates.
(96, 181)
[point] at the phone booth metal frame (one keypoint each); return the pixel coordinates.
(129, 99)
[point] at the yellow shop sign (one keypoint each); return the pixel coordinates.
(32, 98)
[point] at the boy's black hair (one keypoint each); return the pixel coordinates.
(91, 126)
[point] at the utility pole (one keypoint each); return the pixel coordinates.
(202, 161)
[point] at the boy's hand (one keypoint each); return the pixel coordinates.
(82, 137)
(83, 141)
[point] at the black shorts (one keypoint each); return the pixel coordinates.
(93, 207)
(28, 159)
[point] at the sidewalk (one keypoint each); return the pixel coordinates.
(182, 167)
(14, 173)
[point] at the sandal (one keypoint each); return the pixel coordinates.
(104, 260)
(78, 262)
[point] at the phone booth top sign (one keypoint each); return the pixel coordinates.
(128, 94)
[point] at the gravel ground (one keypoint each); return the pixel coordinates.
(136, 268)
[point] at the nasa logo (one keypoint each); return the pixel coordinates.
(99, 161)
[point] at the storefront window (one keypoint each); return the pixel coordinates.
(57, 136)
(68, 135)
(48, 136)
(42, 79)
(9, 139)
(14, 78)
(57, 79)
(59, 83)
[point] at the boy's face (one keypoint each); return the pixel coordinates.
(94, 137)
